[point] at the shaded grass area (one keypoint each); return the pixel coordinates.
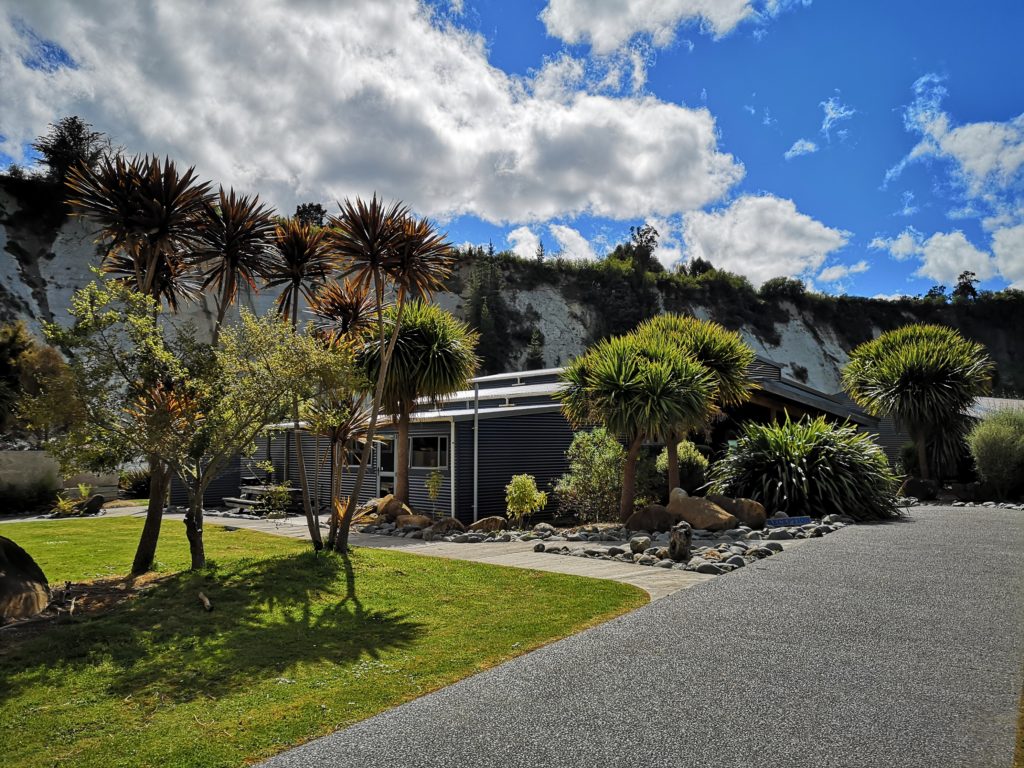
(297, 645)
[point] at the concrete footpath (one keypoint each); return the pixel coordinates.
(885, 645)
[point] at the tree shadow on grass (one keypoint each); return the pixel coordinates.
(269, 616)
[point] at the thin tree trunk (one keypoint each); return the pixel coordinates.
(332, 531)
(312, 521)
(159, 482)
(194, 529)
(673, 463)
(629, 479)
(223, 302)
(402, 456)
(378, 395)
(922, 456)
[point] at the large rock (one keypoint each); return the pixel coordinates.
(747, 511)
(679, 542)
(487, 524)
(446, 525)
(654, 518)
(412, 521)
(700, 513)
(386, 508)
(24, 590)
(90, 506)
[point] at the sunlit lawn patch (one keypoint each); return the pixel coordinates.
(296, 646)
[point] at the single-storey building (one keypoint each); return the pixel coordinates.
(505, 424)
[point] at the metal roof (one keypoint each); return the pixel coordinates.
(984, 406)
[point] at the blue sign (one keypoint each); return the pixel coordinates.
(785, 522)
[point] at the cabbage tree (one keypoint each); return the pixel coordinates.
(926, 377)
(638, 390)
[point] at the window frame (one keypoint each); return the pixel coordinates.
(438, 438)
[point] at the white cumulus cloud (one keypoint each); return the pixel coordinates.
(352, 98)
(944, 255)
(837, 272)
(801, 147)
(761, 237)
(1008, 248)
(571, 244)
(608, 25)
(524, 242)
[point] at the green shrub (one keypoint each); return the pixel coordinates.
(997, 445)
(134, 483)
(275, 501)
(522, 498)
(809, 467)
(693, 467)
(37, 496)
(591, 488)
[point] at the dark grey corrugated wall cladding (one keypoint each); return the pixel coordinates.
(464, 471)
(226, 484)
(533, 443)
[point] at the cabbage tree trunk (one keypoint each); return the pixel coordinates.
(159, 485)
(629, 478)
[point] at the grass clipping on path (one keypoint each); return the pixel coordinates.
(297, 646)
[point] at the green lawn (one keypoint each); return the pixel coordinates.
(297, 646)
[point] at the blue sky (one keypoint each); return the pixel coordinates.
(870, 148)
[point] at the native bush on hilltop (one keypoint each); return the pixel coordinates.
(809, 467)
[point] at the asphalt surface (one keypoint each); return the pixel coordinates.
(886, 645)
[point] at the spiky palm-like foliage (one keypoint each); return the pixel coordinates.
(301, 260)
(342, 309)
(926, 377)
(721, 351)
(638, 391)
(150, 217)
(718, 349)
(434, 355)
(381, 245)
(809, 467)
(236, 238)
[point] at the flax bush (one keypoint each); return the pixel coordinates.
(809, 467)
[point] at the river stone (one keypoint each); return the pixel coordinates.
(639, 543)
(712, 568)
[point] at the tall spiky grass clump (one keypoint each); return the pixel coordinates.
(809, 467)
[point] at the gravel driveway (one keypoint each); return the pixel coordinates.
(886, 645)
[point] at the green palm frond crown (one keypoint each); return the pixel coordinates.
(636, 388)
(434, 356)
(919, 374)
(721, 351)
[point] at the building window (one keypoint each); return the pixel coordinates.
(428, 452)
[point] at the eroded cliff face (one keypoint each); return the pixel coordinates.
(45, 256)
